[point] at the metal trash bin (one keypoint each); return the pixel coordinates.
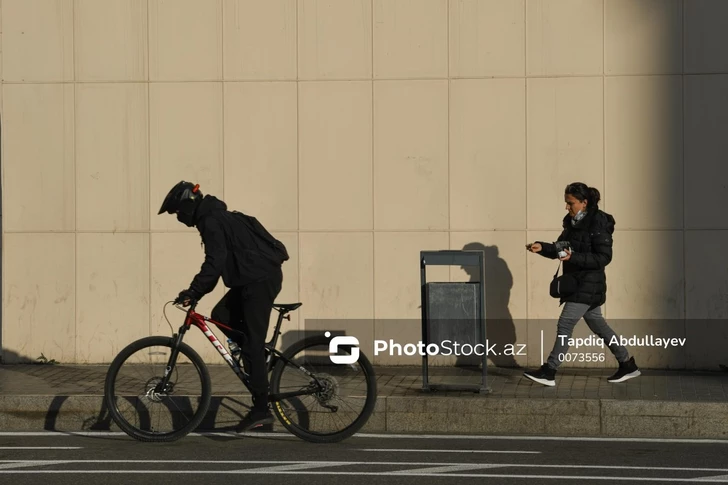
(453, 311)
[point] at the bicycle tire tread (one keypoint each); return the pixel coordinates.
(350, 430)
(128, 351)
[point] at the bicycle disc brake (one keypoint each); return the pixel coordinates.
(329, 390)
(153, 391)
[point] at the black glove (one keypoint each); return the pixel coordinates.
(186, 297)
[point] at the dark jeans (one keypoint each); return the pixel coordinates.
(247, 309)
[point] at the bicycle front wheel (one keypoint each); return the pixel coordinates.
(335, 400)
(145, 412)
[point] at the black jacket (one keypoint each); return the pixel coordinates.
(229, 250)
(591, 245)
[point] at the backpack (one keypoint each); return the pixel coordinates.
(269, 246)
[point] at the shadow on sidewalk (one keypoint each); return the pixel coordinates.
(233, 410)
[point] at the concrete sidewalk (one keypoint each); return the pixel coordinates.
(667, 404)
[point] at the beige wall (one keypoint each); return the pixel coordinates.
(361, 132)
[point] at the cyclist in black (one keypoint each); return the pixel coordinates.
(235, 251)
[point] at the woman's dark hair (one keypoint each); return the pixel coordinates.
(582, 191)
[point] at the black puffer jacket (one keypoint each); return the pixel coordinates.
(591, 245)
(229, 250)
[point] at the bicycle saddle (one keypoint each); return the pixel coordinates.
(287, 306)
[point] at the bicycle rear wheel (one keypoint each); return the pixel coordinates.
(141, 411)
(339, 398)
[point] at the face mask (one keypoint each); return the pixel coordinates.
(185, 219)
(186, 213)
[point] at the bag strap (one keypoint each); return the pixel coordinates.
(557, 269)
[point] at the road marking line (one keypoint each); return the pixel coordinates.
(541, 438)
(447, 451)
(372, 463)
(296, 466)
(41, 447)
(27, 463)
(390, 436)
(385, 473)
(444, 469)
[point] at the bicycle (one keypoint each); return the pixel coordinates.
(161, 389)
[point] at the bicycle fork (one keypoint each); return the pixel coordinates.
(163, 385)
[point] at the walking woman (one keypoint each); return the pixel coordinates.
(588, 232)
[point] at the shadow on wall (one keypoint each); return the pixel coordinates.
(705, 149)
(9, 357)
(499, 326)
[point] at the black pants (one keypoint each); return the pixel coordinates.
(247, 309)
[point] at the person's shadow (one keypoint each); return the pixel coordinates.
(499, 326)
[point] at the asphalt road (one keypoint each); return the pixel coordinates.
(265, 458)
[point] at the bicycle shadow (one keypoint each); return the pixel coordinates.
(223, 416)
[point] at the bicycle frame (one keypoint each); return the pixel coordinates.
(201, 322)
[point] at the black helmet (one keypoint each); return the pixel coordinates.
(182, 200)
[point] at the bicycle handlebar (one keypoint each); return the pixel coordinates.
(178, 304)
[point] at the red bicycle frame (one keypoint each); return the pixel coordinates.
(200, 321)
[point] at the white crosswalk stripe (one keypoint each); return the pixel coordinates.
(430, 470)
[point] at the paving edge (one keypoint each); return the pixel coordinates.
(426, 414)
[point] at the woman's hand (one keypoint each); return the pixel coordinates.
(568, 255)
(534, 247)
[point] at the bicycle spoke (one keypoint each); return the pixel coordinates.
(340, 403)
(156, 413)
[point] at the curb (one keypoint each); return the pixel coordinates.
(421, 415)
